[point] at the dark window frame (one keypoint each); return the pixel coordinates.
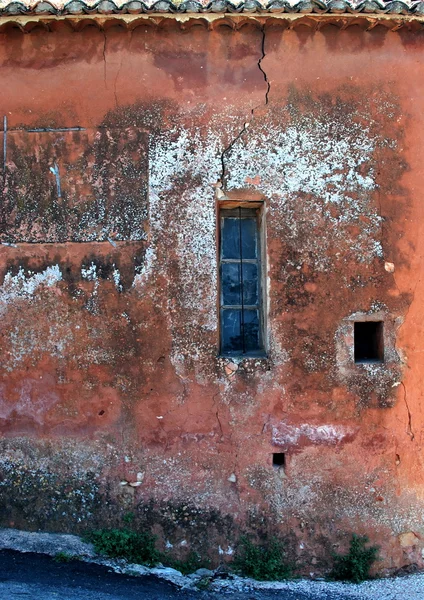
(243, 210)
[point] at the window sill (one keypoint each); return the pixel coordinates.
(238, 357)
(369, 361)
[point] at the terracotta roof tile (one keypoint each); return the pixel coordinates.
(105, 7)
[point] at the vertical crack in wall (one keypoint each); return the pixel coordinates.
(409, 429)
(214, 404)
(252, 112)
(266, 424)
(219, 423)
(118, 72)
(115, 85)
(104, 58)
(268, 85)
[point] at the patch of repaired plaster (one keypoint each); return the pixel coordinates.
(374, 382)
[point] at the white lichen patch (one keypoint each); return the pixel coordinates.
(318, 175)
(352, 498)
(144, 271)
(317, 157)
(23, 285)
(31, 341)
(116, 276)
(184, 166)
(89, 273)
(32, 337)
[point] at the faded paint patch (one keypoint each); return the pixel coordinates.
(35, 399)
(287, 435)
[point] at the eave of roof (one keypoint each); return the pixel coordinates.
(109, 7)
(130, 14)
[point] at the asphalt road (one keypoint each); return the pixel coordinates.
(39, 577)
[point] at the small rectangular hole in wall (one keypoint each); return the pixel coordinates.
(368, 341)
(279, 460)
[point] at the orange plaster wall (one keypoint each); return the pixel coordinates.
(110, 374)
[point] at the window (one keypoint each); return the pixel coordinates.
(240, 278)
(368, 341)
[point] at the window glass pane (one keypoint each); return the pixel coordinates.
(230, 238)
(248, 238)
(250, 283)
(231, 330)
(230, 282)
(251, 330)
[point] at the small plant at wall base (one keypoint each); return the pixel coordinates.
(128, 517)
(356, 564)
(262, 562)
(191, 563)
(64, 557)
(136, 547)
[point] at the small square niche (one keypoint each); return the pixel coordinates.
(368, 342)
(279, 460)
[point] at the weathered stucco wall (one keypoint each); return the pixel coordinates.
(112, 397)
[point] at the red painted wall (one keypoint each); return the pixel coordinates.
(113, 396)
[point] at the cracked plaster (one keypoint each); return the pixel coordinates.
(143, 358)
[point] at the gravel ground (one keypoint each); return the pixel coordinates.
(401, 588)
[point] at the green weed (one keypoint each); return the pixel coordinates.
(263, 562)
(64, 557)
(128, 517)
(191, 563)
(355, 565)
(136, 547)
(204, 583)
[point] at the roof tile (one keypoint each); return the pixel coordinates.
(106, 7)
